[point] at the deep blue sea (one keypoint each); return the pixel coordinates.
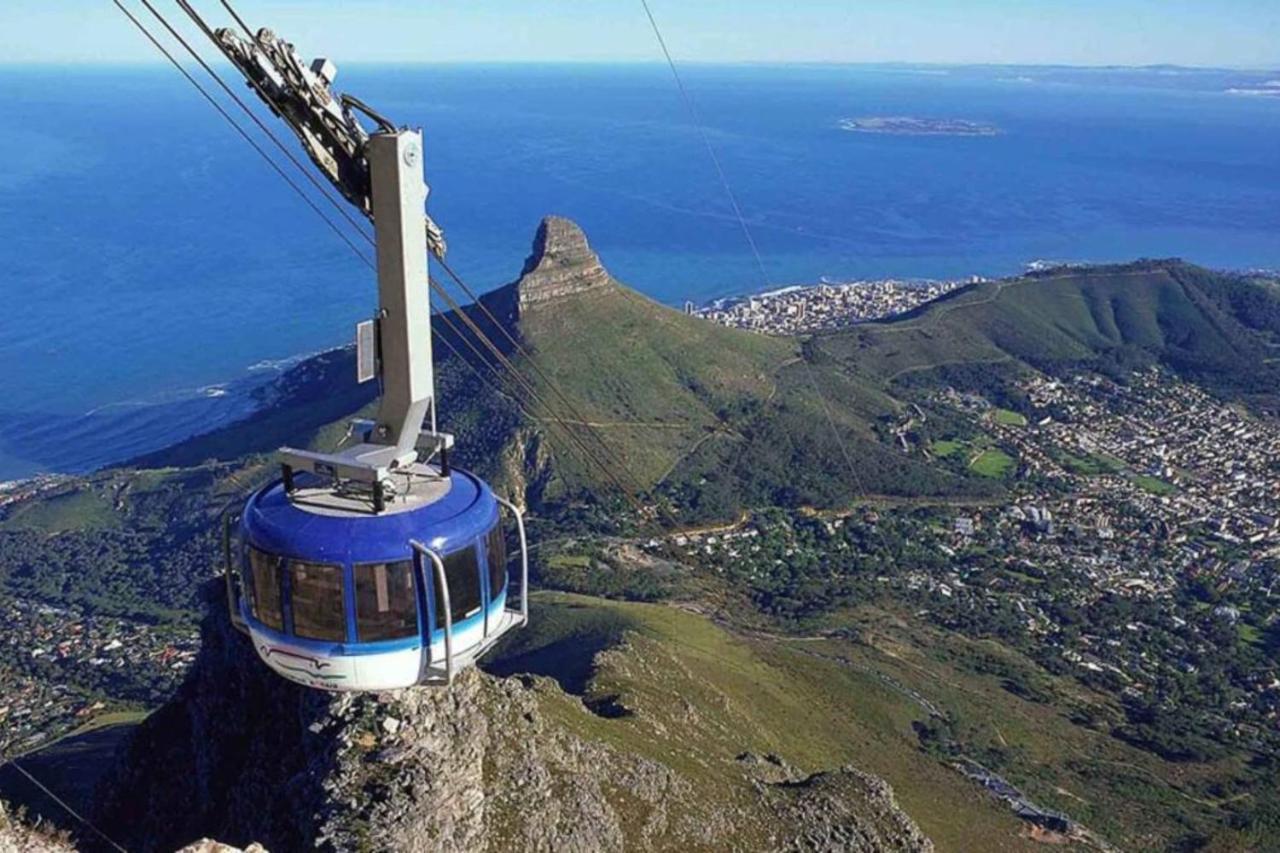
(153, 267)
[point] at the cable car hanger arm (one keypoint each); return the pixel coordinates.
(326, 123)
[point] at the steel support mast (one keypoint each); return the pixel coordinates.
(399, 196)
(382, 175)
(396, 346)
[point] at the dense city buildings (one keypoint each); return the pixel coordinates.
(800, 309)
(1137, 546)
(61, 667)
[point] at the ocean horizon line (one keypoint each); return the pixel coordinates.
(160, 63)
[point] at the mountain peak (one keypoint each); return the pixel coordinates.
(561, 264)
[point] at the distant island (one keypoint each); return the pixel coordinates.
(907, 126)
(1269, 89)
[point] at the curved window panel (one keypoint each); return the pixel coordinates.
(386, 605)
(264, 598)
(315, 591)
(462, 571)
(496, 553)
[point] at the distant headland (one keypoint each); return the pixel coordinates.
(907, 126)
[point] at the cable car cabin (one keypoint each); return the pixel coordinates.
(369, 568)
(341, 598)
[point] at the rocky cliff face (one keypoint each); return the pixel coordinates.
(561, 264)
(491, 763)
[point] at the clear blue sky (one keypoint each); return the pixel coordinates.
(1236, 33)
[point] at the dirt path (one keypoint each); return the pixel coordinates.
(724, 432)
(608, 424)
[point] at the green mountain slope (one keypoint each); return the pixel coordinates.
(874, 702)
(651, 382)
(720, 418)
(1216, 329)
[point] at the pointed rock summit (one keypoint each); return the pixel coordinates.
(562, 264)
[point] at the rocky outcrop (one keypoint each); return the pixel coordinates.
(243, 756)
(489, 764)
(525, 467)
(18, 837)
(840, 810)
(237, 755)
(207, 845)
(561, 265)
(843, 810)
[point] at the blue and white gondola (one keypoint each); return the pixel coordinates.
(340, 599)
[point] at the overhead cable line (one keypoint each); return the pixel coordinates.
(694, 114)
(265, 156)
(239, 20)
(217, 106)
(13, 762)
(308, 173)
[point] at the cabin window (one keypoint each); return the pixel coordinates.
(497, 555)
(265, 589)
(462, 570)
(386, 606)
(316, 594)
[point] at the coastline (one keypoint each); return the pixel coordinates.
(35, 445)
(37, 450)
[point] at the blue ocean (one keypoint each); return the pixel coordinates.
(154, 269)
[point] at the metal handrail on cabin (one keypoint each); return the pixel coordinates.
(442, 586)
(524, 559)
(233, 603)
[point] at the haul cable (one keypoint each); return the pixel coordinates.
(308, 173)
(217, 106)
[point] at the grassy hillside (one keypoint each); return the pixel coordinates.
(652, 382)
(1217, 329)
(905, 702)
(719, 418)
(728, 695)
